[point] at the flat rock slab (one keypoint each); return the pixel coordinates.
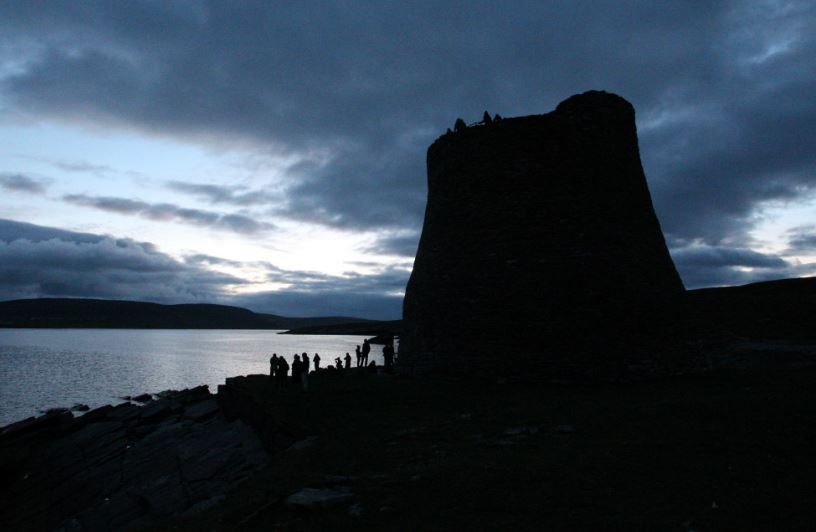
(124, 467)
(313, 498)
(201, 410)
(305, 443)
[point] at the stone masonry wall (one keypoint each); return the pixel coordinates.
(541, 256)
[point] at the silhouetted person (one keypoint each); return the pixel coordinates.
(297, 369)
(273, 366)
(497, 117)
(316, 360)
(486, 119)
(338, 363)
(366, 351)
(304, 373)
(348, 361)
(388, 356)
(459, 125)
(283, 370)
(359, 353)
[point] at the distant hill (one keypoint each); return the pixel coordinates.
(101, 313)
(360, 328)
(782, 310)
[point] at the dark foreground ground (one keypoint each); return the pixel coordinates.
(732, 450)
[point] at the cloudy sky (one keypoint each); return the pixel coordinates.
(272, 155)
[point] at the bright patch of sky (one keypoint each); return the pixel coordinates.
(92, 162)
(776, 223)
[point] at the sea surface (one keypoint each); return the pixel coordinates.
(47, 368)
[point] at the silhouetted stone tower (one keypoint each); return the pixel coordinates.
(541, 256)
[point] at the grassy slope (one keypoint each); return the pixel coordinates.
(728, 451)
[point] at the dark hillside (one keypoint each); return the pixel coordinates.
(782, 309)
(100, 313)
(362, 328)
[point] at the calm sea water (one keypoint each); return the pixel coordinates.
(45, 368)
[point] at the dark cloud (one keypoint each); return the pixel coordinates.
(38, 261)
(11, 230)
(209, 260)
(401, 245)
(165, 212)
(21, 183)
(802, 239)
(308, 293)
(723, 91)
(703, 265)
(315, 294)
(47, 262)
(216, 194)
(714, 257)
(82, 167)
(391, 280)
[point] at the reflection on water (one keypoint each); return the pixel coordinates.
(45, 368)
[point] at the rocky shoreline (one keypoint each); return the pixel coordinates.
(378, 452)
(125, 466)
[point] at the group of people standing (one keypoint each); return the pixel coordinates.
(301, 364)
(279, 369)
(362, 354)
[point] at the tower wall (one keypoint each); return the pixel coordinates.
(541, 256)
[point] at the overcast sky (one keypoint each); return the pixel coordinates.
(272, 155)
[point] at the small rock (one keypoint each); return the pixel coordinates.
(122, 411)
(466, 416)
(54, 411)
(303, 444)
(386, 509)
(193, 395)
(143, 398)
(565, 429)
(78, 407)
(311, 498)
(206, 504)
(97, 413)
(155, 410)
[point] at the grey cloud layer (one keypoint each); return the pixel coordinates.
(802, 239)
(22, 183)
(311, 294)
(38, 261)
(723, 91)
(163, 212)
(218, 194)
(400, 245)
(702, 265)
